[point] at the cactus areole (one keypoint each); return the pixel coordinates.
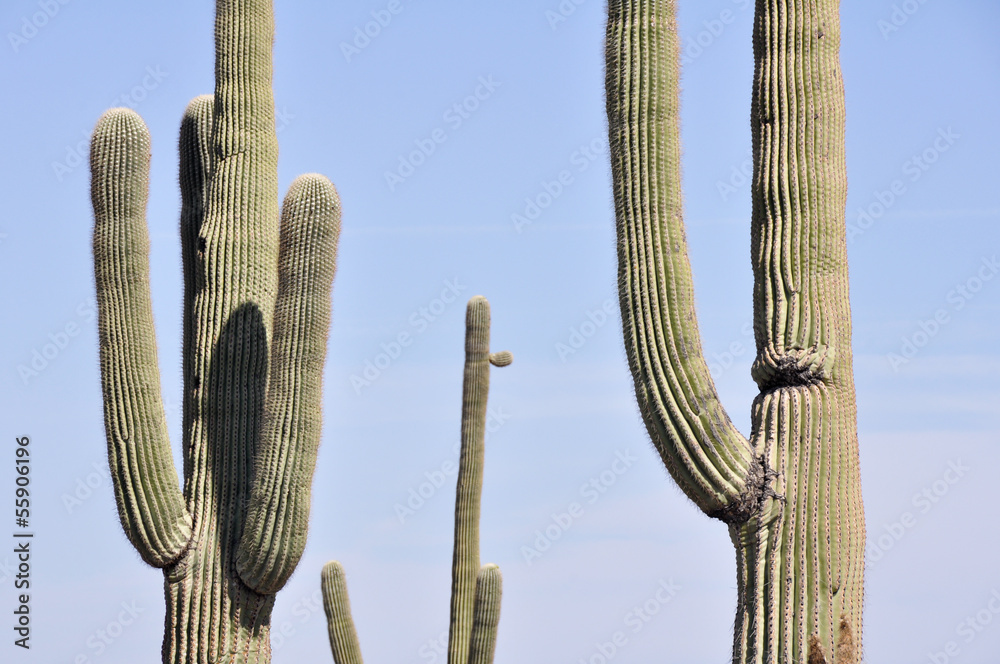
(791, 494)
(255, 320)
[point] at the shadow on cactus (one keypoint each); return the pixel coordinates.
(256, 316)
(475, 590)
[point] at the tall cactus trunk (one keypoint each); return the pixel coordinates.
(791, 493)
(256, 315)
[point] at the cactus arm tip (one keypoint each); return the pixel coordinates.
(486, 619)
(150, 504)
(340, 625)
(274, 535)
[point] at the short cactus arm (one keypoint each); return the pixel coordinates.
(274, 535)
(343, 636)
(475, 390)
(150, 503)
(486, 617)
(708, 458)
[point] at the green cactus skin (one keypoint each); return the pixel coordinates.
(256, 315)
(486, 616)
(475, 590)
(791, 495)
(343, 636)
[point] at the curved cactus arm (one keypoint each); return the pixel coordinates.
(475, 390)
(274, 535)
(486, 617)
(343, 636)
(708, 458)
(150, 503)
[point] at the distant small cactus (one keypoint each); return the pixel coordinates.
(475, 590)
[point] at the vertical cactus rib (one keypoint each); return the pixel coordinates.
(710, 460)
(150, 503)
(343, 637)
(475, 591)
(197, 159)
(256, 314)
(275, 532)
(486, 617)
(792, 495)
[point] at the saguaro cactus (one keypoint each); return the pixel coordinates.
(790, 494)
(256, 315)
(475, 590)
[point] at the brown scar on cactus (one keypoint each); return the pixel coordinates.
(790, 492)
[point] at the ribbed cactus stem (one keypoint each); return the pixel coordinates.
(150, 503)
(475, 591)
(468, 493)
(486, 616)
(343, 637)
(274, 535)
(256, 313)
(710, 460)
(791, 495)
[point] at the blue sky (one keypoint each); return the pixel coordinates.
(922, 98)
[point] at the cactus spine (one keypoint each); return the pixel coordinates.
(256, 316)
(475, 590)
(790, 494)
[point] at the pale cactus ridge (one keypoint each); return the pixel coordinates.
(791, 494)
(256, 315)
(476, 589)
